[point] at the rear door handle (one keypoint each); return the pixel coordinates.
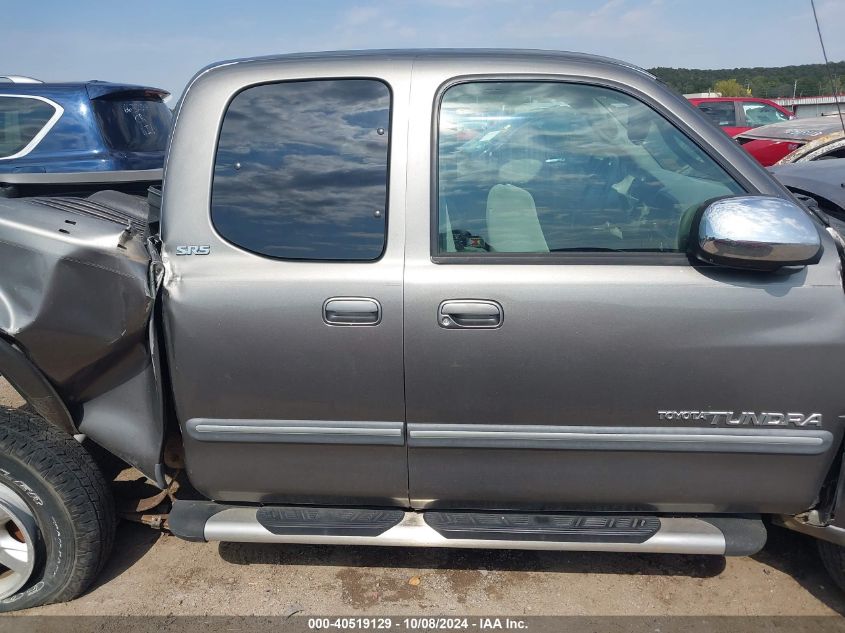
(351, 311)
(469, 313)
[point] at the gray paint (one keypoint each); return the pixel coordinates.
(824, 180)
(589, 342)
(279, 360)
(33, 386)
(104, 178)
(76, 295)
(609, 342)
(606, 342)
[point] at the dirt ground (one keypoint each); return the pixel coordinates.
(786, 578)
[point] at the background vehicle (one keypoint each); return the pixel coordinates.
(823, 181)
(740, 114)
(367, 319)
(80, 128)
(793, 141)
(824, 147)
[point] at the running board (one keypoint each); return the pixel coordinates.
(719, 535)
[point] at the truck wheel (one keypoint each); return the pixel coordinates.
(833, 557)
(57, 517)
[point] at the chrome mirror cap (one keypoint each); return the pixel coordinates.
(758, 232)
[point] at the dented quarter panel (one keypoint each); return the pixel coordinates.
(76, 295)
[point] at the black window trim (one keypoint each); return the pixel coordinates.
(570, 258)
(741, 119)
(242, 89)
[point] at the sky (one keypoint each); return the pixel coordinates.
(163, 43)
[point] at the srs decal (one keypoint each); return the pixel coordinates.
(193, 250)
(742, 418)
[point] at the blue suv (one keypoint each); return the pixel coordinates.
(92, 126)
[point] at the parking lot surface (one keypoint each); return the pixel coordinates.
(151, 573)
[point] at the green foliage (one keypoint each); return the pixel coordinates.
(763, 82)
(730, 88)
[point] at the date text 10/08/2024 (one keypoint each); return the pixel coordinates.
(426, 623)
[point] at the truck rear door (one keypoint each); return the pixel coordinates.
(283, 303)
(562, 351)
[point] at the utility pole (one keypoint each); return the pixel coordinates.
(794, 88)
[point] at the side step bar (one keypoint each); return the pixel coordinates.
(719, 535)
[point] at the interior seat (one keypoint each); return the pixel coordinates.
(512, 222)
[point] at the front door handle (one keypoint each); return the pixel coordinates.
(351, 311)
(469, 313)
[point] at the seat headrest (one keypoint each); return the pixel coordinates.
(520, 170)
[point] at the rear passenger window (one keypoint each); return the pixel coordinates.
(301, 170)
(543, 167)
(722, 113)
(21, 119)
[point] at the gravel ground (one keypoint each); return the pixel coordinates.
(786, 578)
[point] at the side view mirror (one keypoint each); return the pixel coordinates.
(755, 232)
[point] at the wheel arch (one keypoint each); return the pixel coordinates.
(33, 386)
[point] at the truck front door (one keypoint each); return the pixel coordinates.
(563, 351)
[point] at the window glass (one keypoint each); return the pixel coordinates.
(538, 167)
(133, 124)
(21, 119)
(722, 113)
(301, 170)
(757, 114)
(834, 151)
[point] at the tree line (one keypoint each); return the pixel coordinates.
(813, 79)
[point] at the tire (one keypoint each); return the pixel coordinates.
(833, 557)
(110, 465)
(60, 509)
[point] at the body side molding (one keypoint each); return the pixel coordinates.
(717, 440)
(297, 431)
(619, 438)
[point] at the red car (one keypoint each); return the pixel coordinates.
(736, 115)
(821, 136)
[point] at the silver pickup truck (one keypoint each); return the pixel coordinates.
(487, 299)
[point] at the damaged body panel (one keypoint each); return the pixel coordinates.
(76, 297)
(449, 299)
